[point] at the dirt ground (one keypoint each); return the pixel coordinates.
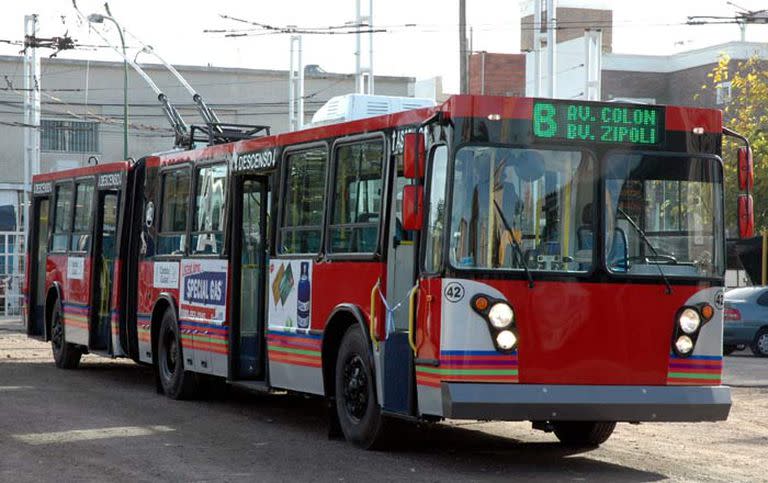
(124, 431)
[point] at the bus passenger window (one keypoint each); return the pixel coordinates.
(81, 234)
(208, 228)
(62, 218)
(173, 219)
(303, 202)
(354, 226)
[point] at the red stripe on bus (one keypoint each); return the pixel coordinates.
(275, 354)
(680, 381)
(701, 370)
(116, 167)
(75, 323)
(295, 361)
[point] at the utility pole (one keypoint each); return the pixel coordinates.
(463, 47)
(551, 44)
(363, 73)
(296, 86)
(593, 65)
(538, 36)
(31, 113)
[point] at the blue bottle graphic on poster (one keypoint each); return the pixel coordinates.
(302, 306)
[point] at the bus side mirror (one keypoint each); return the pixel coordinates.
(746, 217)
(746, 169)
(413, 207)
(413, 155)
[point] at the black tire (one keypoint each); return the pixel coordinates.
(174, 380)
(729, 349)
(583, 433)
(759, 345)
(65, 355)
(358, 410)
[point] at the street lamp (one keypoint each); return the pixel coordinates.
(99, 18)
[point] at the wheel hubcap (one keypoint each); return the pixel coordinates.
(762, 343)
(355, 388)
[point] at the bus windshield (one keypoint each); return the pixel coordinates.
(545, 197)
(663, 212)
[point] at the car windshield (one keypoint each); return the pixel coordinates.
(663, 212)
(545, 197)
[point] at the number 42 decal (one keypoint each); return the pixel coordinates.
(454, 292)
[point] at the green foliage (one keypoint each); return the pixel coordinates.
(746, 113)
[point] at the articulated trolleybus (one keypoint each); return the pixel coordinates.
(490, 258)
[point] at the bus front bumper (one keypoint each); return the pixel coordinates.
(540, 402)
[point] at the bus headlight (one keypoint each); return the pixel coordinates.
(684, 344)
(501, 316)
(689, 321)
(506, 340)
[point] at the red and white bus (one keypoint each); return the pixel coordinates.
(490, 258)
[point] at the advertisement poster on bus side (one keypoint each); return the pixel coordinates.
(203, 290)
(290, 291)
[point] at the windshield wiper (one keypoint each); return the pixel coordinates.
(515, 244)
(650, 245)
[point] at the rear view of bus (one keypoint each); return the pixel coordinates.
(573, 259)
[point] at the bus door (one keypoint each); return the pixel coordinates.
(104, 256)
(249, 263)
(401, 277)
(39, 256)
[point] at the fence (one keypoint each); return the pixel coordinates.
(12, 265)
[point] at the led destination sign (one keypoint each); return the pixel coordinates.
(602, 123)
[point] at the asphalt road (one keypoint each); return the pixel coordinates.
(105, 421)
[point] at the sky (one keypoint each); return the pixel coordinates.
(421, 38)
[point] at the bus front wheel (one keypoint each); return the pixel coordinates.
(65, 355)
(176, 382)
(356, 405)
(583, 433)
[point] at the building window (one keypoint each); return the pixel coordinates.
(69, 136)
(723, 90)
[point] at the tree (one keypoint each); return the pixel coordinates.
(746, 112)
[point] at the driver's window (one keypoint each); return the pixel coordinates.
(514, 208)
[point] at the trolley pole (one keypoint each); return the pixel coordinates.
(98, 18)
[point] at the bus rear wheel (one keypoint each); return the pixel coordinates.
(583, 433)
(175, 381)
(358, 410)
(65, 355)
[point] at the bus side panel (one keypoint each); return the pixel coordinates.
(77, 301)
(294, 349)
(114, 315)
(147, 296)
(55, 271)
(428, 330)
(71, 273)
(202, 298)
